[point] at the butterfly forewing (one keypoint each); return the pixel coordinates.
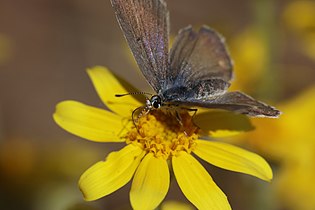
(145, 25)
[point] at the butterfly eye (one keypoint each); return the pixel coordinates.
(156, 102)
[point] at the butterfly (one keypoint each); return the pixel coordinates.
(195, 72)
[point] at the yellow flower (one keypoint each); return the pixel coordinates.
(158, 143)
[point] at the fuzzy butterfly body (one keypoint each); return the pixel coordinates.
(195, 72)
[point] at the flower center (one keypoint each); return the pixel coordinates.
(163, 134)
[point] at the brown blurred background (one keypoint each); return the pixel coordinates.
(45, 48)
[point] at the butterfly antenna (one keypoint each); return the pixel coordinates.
(133, 93)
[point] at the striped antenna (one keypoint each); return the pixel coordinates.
(133, 93)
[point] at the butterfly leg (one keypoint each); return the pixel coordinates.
(192, 117)
(144, 111)
(179, 120)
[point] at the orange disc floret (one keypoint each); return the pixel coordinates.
(163, 134)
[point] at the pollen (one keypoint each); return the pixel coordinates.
(164, 134)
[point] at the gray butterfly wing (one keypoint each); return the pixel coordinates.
(236, 102)
(200, 66)
(145, 24)
(200, 69)
(197, 56)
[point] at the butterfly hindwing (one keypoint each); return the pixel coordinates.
(235, 101)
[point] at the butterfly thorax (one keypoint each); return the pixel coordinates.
(175, 93)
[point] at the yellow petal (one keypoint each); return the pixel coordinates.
(107, 85)
(223, 133)
(197, 185)
(108, 176)
(150, 184)
(171, 205)
(233, 158)
(90, 123)
(217, 123)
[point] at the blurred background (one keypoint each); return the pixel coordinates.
(46, 46)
